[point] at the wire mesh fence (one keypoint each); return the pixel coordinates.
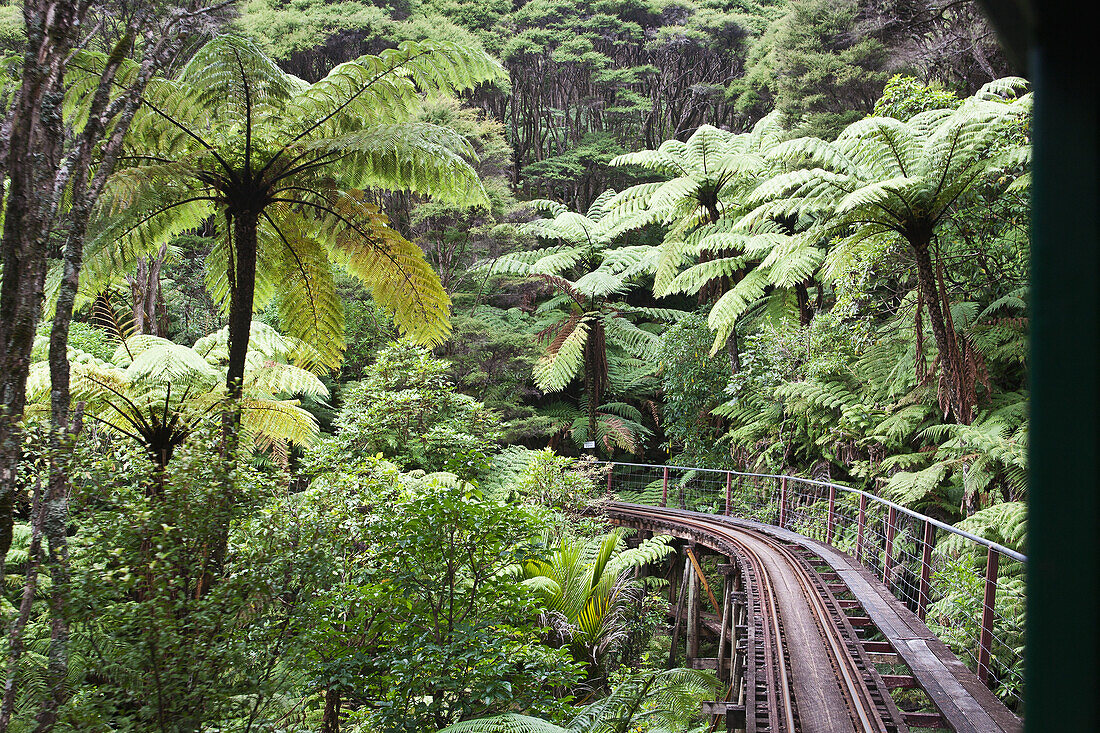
(969, 591)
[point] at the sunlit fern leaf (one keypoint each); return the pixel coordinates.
(626, 335)
(663, 700)
(564, 359)
(722, 318)
(1004, 523)
(284, 379)
(601, 283)
(278, 420)
(310, 308)
(823, 395)
(885, 146)
(393, 269)
(168, 362)
(414, 156)
(162, 210)
(811, 152)
(916, 488)
(1004, 89)
(1014, 300)
(507, 723)
(901, 425)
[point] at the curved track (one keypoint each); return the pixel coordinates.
(814, 678)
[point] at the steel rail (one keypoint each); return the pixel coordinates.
(842, 662)
(774, 641)
(857, 695)
(1006, 551)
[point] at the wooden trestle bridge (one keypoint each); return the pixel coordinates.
(805, 637)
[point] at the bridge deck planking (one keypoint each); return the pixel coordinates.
(819, 695)
(966, 704)
(821, 706)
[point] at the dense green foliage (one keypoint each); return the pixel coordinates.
(419, 283)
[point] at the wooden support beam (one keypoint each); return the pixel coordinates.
(878, 646)
(723, 707)
(703, 578)
(924, 720)
(674, 647)
(725, 622)
(899, 682)
(709, 663)
(883, 657)
(692, 608)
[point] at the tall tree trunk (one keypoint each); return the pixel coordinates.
(30, 159)
(590, 387)
(145, 292)
(16, 637)
(959, 402)
(242, 282)
(734, 350)
(805, 312)
(242, 289)
(330, 719)
(55, 527)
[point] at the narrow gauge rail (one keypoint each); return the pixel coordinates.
(807, 671)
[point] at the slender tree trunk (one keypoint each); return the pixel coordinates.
(242, 283)
(805, 313)
(16, 638)
(959, 405)
(30, 158)
(734, 350)
(590, 388)
(55, 528)
(330, 719)
(145, 292)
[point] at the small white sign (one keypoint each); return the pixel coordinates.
(589, 444)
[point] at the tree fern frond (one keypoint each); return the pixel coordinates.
(563, 360)
(393, 269)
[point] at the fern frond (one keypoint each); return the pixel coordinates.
(564, 359)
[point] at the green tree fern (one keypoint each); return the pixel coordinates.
(280, 167)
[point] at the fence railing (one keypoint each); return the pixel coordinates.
(968, 590)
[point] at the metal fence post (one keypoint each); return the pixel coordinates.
(989, 599)
(925, 570)
(859, 526)
(891, 528)
(610, 468)
(664, 488)
(832, 515)
(782, 501)
(729, 485)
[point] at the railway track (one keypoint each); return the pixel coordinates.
(805, 669)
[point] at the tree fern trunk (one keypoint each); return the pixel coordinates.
(242, 288)
(590, 388)
(330, 719)
(734, 350)
(805, 313)
(958, 406)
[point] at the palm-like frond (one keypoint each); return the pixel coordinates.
(155, 391)
(234, 135)
(565, 357)
(587, 582)
(507, 723)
